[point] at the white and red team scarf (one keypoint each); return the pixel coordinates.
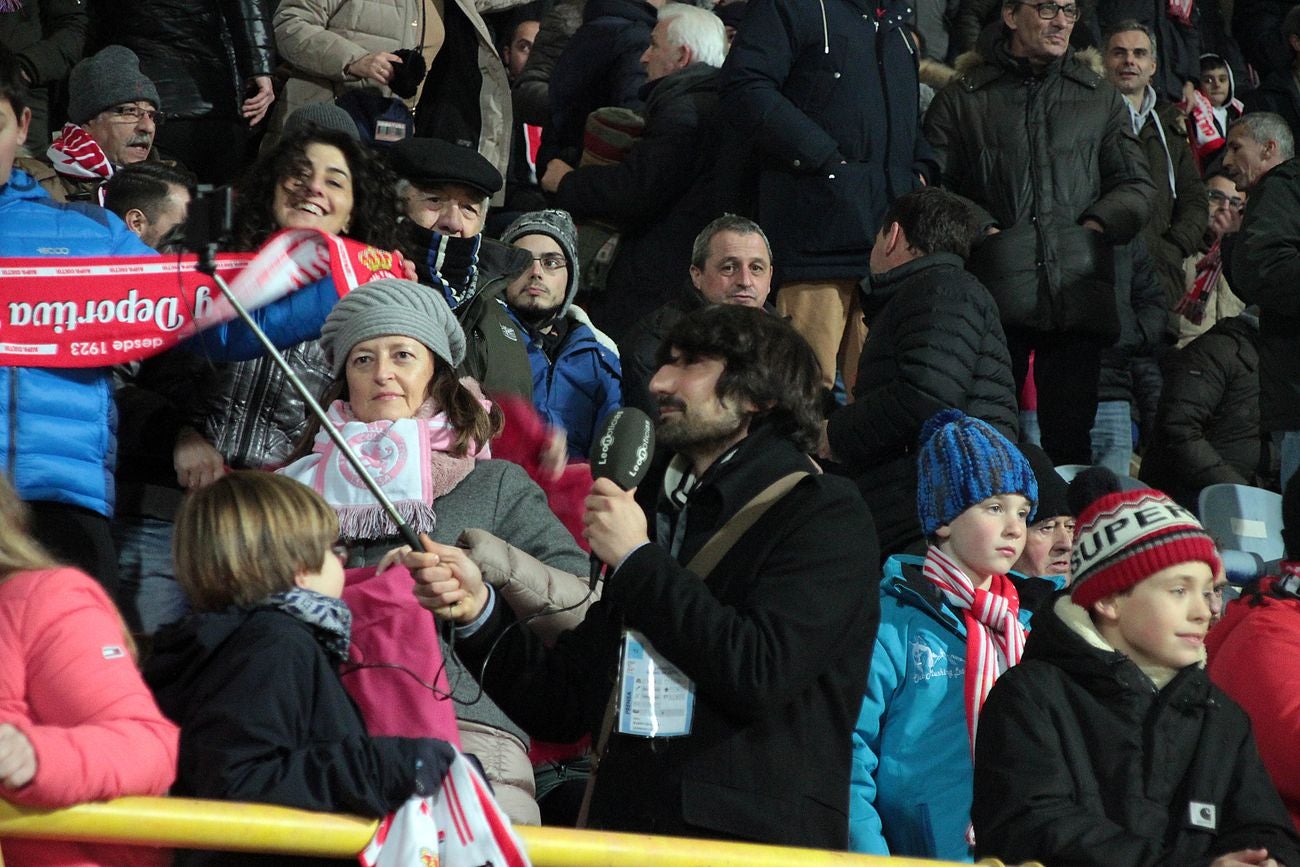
(995, 640)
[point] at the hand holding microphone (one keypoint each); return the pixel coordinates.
(613, 523)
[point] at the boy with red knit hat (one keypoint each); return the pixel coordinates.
(1108, 745)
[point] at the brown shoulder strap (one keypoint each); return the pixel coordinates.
(709, 556)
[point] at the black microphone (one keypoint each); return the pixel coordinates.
(621, 453)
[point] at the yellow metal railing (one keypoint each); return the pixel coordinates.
(222, 825)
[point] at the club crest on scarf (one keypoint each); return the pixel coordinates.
(384, 456)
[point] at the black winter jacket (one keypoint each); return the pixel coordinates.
(1081, 760)
(1038, 154)
(1143, 319)
(837, 138)
(1207, 426)
(600, 66)
(264, 717)
(1266, 271)
(1178, 215)
(778, 685)
(198, 53)
(659, 197)
(934, 341)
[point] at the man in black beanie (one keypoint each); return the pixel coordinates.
(1044, 565)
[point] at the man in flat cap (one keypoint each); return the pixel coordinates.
(113, 112)
(445, 190)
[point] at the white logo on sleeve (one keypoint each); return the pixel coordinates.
(113, 651)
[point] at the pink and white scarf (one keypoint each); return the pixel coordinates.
(76, 155)
(408, 458)
(995, 640)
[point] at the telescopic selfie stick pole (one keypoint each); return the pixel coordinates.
(206, 247)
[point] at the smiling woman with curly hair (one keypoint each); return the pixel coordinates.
(317, 179)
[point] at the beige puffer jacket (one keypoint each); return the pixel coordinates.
(319, 38)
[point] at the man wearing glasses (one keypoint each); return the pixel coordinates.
(114, 113)
(1045, 149)
(577, 378)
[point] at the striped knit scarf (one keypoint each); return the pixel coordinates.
(77, 155)
(995, 639)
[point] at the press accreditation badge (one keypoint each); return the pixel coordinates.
(655, 699)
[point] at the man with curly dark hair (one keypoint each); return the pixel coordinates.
(748, 579)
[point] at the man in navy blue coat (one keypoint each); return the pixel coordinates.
(837, 139)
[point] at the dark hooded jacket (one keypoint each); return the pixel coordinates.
(1081, 760)
(264, 717)
(1039, 154)
(836, 138)
(934, 341)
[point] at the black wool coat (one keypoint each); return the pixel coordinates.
(777, 641)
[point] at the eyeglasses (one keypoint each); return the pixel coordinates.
(1048, 11)
(1220, 198)
(133, 114)
(551, 261)
(340, 549)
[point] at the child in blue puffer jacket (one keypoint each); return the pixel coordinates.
(949, 626)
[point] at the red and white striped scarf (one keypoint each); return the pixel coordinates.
(75, 154)
(995, 640)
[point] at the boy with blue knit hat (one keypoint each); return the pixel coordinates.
(1108, 745)
(950, 625)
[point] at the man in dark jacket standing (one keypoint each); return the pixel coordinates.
(934, 342)
(600, 66)
(662, 193)
(770, 639)
(1046, 149)
(837, 139)
(1265, 268)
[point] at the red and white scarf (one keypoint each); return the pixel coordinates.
(408, 458)
(1208, 271)
(76, 155)
(1205, 133)
(1181, 11)
(995, 640)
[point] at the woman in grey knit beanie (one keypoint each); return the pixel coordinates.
(393, 347)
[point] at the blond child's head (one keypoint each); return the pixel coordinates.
(249, 535)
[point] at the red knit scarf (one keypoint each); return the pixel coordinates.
(995, 640)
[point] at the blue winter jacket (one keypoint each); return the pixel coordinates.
(910, 783)
(584, 385)
(58, 428)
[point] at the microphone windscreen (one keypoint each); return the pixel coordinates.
(622, 449)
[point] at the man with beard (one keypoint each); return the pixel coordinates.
(576, 374)
(749, 578)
